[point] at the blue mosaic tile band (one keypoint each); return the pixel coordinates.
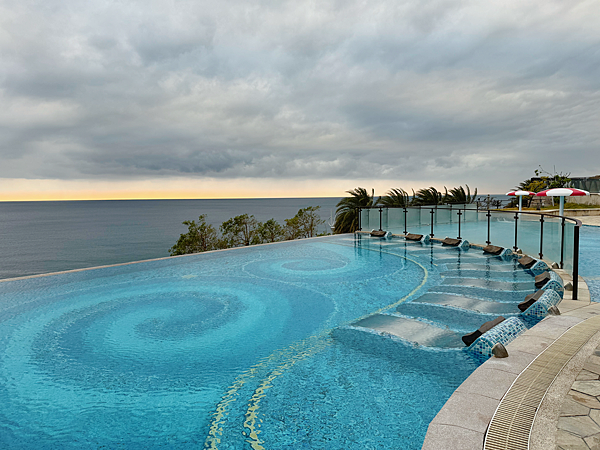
(539, 266)
(504, 333)
(425, 239)
(555, 284)
(506, 252)
(464, 245)
(540, 308)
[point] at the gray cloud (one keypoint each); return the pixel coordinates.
(420, 90)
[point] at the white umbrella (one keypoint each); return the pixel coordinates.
(520, 194)
(562, 193)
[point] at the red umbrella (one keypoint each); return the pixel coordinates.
(562, 193)
(520, 194)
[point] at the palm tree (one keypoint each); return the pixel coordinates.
(428, 196)
(459, 195)
(346, 214)
(396, 197)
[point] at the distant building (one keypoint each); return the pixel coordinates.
(590, 184)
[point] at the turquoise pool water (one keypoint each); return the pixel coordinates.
(246, 348)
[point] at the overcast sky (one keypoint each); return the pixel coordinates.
(271, 98)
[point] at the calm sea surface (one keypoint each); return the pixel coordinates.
(42, 237)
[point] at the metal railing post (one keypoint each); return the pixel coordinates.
(516, 228)
(562, 243)
(405, 213)
(432, 213)
(541, 236)
(380, 217)
(359, 219)
(489, 215)
(459, 214)
(575, 261)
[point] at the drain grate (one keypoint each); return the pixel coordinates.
(511, 425)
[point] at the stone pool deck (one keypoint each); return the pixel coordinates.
(543, 396)
(590, 220)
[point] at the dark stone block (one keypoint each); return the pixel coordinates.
(530, 300)
(380, 233)
(527, 262)
(468, 339)
(414, 237)
(452, 242)
(493, 249)
(491, 324)
(541, 279)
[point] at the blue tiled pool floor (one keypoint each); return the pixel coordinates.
(248, 348)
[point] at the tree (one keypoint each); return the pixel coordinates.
(429, 196)
(459, 195)
(544, 180)
(239, 230)
(304, 224)
(270, 231)
(346, 214)
(200, 237)
(396, 197)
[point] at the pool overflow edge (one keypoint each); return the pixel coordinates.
(435, 208)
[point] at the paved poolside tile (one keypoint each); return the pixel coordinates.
(595, 416)
(587, 387)
(584, 399)
(579, 425)
(586, 375)
(568, 441)
(593, 442)
(571, 407)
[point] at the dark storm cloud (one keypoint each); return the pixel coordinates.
(413, 90)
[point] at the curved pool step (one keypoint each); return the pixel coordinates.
(504, 267)
(483, 293)
(490, 284)
(460, 320)
(489, 274)
(467, 303)
(412, 330)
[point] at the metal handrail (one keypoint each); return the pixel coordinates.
(433, 209)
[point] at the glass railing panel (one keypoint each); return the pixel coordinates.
(443, 215)
(364, 220)
(395, 217)
(470, 215)
(551, 239)
(528, 238)
(568, 245)
(413, 218)
(373, 219)
(384, 219)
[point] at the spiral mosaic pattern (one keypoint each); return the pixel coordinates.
(139, 356)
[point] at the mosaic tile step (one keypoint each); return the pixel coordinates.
(412, 330)
(494, 275)
(460, 320)
(482, 293)
(468, 303)
(489, 284)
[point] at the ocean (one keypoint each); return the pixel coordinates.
(44, 237)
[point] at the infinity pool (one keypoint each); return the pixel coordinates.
(244, 348)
